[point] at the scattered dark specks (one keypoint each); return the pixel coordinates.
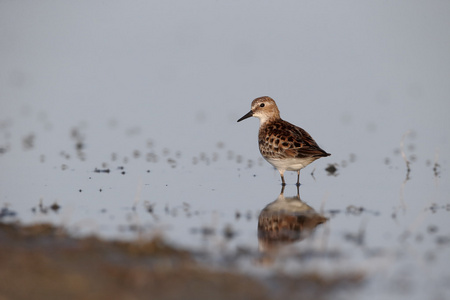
(333, 212)
(45, 209)
(207, 231)
(432, 229)
(136, 154)
(357, 238)
(64, 167)
(332, 170)
(79, 146)
(123, 172)
(148, 171)
(149, 207)
(436, 169)
(55, 207)
(387, 161)
(172, 162)
(100, 190)
(28, 141)
(64, 155)
(102, 170)
(228, 232)
(80, 190)
(433, 207)
(249, 163)
(5, 212)
(443, 240)
(121, 168)
(2, 150)
(237, 215)
(204, 157)
(354, 210)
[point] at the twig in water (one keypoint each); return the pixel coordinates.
(402, 149)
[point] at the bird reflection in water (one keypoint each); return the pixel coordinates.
(283, 222)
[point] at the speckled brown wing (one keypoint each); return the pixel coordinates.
(281, 139)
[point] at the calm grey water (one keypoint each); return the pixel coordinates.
(152, 91)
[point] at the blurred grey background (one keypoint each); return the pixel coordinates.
(184, 71)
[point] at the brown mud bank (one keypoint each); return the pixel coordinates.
(44, 262)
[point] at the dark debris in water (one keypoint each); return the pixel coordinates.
(434, 207)
(436, 170)
(102, 170)
(358, 210)
(443, 240)
(28, 141)
(205, 231)
(229, 232)
(357, 238)
(3, 149)
(6, 212)
(41, 208)
(332, 169)
(354, 210)
(55, 207)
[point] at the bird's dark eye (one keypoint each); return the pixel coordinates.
(261, 105)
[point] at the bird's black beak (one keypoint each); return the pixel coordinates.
(248, 115)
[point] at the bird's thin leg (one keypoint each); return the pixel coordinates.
(298, 178)
(283, 183)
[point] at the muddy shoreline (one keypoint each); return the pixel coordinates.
(44, 262)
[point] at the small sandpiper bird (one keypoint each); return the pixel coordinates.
(284, 145)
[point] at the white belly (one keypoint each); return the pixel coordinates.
(290, 164)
